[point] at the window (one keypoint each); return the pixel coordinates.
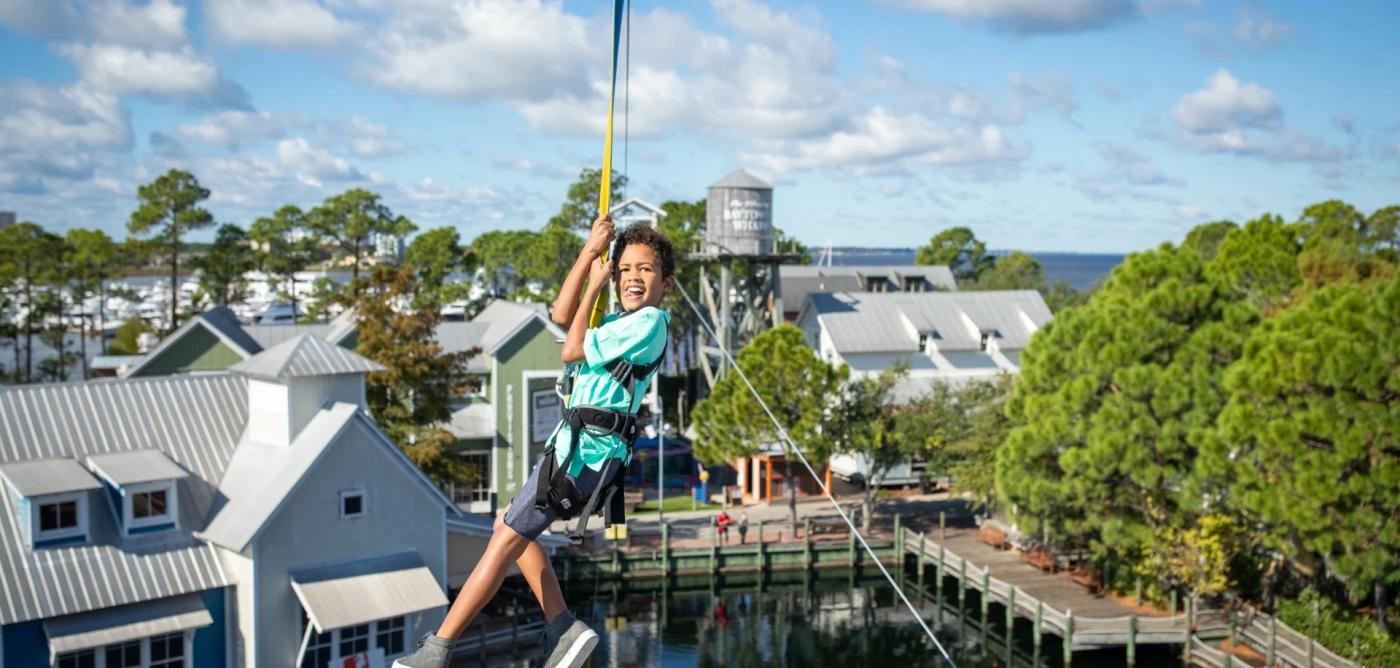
(475, 385)
(58, 516)
(167, 651)
(389, 635)
(318, 649)
(479, 488)
(354, 639)
(125, 655)
(84, 659)
(352, 503)
(146, 505)
(149, 507)
(59, 520)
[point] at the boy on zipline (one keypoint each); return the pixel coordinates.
(610, 367)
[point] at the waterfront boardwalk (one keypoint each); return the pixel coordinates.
(952, 569)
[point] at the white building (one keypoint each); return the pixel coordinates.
(950, 337)
(245, 517)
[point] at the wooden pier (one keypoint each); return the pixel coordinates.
(951, 564)
(1057, 606)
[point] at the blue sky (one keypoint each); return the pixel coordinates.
(1076, 125)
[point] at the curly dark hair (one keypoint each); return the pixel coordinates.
(652, 238)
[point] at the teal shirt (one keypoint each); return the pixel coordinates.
(639, 338)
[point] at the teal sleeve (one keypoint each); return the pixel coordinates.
(625, 337)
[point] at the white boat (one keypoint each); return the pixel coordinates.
(278, 313)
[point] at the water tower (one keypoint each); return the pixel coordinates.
(739, 239)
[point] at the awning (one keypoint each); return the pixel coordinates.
(122, 623)
(344, 595)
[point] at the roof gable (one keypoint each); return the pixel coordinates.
(263, 477)
(305, 355)
(219, 322)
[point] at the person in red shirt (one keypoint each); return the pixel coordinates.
(722, 521)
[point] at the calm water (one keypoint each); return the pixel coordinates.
(1080, 270)
(830, 623)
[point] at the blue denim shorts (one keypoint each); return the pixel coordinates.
(529, 521)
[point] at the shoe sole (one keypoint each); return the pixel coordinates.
(580, 651)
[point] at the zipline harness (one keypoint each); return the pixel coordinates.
(556, 489)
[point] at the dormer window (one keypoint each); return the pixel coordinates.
(149, 507)
(142, 485)
(58, 516)
(987, 336)
(51, 497)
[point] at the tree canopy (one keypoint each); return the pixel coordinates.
(170, 207)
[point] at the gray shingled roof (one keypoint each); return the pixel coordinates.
(195, 420)
(135, 467)
(868, 322)
(38, 477)
(740, 178)
(305, 355)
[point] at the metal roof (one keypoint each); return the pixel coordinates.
(270, 335)
(868, 322)
(123, 623)
(740, 178)
(341, 595)
(505, 318)
(305, 355)
(800, 280)
(221, 322)
(48, 476)
(195, 420)
(474, 421)
(135, 467)
(262, 476)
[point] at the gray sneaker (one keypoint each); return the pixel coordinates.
(570, 642)
(432, 652)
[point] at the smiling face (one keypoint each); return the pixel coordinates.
(639, 280)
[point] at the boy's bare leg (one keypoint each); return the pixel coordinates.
(504, 549)
(534, 565)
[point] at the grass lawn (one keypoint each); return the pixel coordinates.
(674, 504)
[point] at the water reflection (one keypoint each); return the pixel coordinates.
(829, 623)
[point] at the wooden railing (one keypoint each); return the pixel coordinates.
(1263, 633)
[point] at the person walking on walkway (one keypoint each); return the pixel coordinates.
(743, 527)
(722, 522)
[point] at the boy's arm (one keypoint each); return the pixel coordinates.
(566, 304)
(598, 273)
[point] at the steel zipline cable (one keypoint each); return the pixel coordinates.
(783, 434)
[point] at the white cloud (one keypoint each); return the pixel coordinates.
(63, 134)
(1190, 212)
(882, 140)
(314, 166)
(233, 127)
(1260, 30)
(1256, 30)
(1030, 17)
(1225, 105)
(372, 140)
(1245, 119)
(1126, 173)
(278, 23)
(481, 49)
(180, 75)
(156, 24)
(1053, 90)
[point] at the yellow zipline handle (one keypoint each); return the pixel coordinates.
(600, 305)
